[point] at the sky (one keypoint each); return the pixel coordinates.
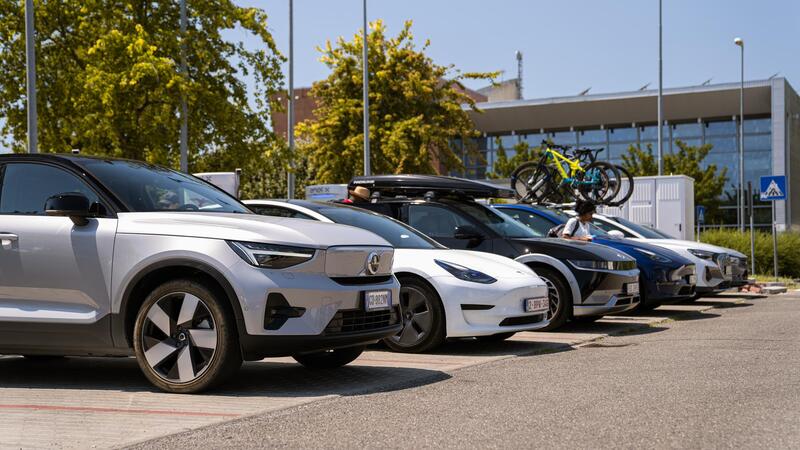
(568, 45)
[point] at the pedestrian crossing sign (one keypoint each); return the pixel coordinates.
(773, 187)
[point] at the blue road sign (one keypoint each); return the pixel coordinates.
(701, 214)
(773, 187)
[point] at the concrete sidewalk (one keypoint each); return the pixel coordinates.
(101, 402)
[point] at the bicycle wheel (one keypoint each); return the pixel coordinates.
(531, 182)
(597, 183)
(626, 188)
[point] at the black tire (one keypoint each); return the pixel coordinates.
(644, 305)
(606, 188)
(330, 359)
(625, 188)
(560, 297)
(202, 346)
(499, 337)
(424, 326)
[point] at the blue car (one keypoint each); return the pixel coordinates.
(664, 275)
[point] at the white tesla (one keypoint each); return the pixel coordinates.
(444, 293)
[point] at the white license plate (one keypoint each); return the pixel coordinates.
(692, 279)
(377, 300)
(728, 270)
(632, 288)
(537, 304)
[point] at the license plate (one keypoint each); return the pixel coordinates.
(728, 270)
(377, 300)
(692, 279)
(632, 288)
(537, 304)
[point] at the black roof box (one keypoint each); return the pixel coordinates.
(419, 185)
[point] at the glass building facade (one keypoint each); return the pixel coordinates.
(721, 134)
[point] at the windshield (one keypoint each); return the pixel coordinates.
(396, 233)
(645, 231)
(498, 221)
(146, 188)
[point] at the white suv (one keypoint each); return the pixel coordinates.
(116, 257)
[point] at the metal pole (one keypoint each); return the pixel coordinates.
(184, 107)
(752, 231)
(660, 99)
(741, 143)
(290, 112)
(30, 62)
(774, 242)
(367, 169)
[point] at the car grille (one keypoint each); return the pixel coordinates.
(354, 320)
(521, 320)
(358, 281)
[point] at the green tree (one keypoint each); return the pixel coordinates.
(709, 182)
(109, 80)
(503, 165)
(415, 109)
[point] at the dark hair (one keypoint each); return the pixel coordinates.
(582, 208)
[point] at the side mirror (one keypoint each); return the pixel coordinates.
(468, 232)
(70, 204)
(616, 234)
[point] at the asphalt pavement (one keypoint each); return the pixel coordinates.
(721, 378)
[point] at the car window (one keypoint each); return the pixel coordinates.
(605, 226)
(278, 211)
(498, 221)
(27, 186)
(539, 225)
(144, 187)
(396, 233)
(434, 220)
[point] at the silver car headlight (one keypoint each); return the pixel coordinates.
(702, 254)
(653, 255)
(465, 273)
(272, 256)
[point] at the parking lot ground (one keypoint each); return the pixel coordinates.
(103, 402)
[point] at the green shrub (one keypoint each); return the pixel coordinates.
(788, 249)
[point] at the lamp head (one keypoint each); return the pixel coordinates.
(739, 42)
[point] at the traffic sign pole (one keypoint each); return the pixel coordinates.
(773, 188)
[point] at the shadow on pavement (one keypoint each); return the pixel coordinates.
(255, 379)
(723, 305)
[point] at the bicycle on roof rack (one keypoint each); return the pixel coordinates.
(571, 174)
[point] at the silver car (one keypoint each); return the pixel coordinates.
(116, 257)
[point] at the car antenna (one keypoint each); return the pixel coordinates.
(429, 196)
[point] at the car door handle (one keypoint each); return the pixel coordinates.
(8, 237)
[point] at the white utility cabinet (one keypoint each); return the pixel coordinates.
(665, 203)
(227, 181)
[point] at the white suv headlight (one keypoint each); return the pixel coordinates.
(272, 256)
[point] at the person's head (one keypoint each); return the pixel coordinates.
(359, 194)
(585, 211)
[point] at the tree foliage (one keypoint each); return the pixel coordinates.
(503, 165)
(709, 182)
(415, 109)
(109, 81)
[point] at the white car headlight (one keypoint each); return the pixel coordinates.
(272, 256)
(702, 254)
(465, 273)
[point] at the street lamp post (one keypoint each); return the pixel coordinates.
(290, 106)
(367, 170)
(30, 62)
(184, 161)
(660, 99)
(741, 215)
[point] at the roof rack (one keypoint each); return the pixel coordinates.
(430, 186)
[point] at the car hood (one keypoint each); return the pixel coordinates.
(247, 227)
(491, 264)
(630, 246)
(568, 249)
(681, 244)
